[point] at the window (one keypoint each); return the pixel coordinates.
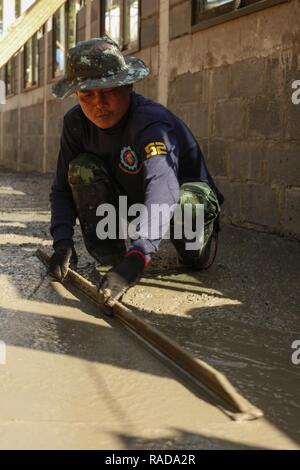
(31, 62)
(64, 34)
(113, 19)
(131, 31)
(121, 22)
(9, 78)
(204, 9)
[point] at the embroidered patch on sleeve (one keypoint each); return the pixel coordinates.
(155, 148)
(129, 161)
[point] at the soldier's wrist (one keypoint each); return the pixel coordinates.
(64, 243)
(146, 258)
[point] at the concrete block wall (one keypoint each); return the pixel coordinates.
(55, 113)
(149, 23)
(31, 154)
(180, 18)
(9, 139)
(149, 48)
(232, 84)
(149, 86)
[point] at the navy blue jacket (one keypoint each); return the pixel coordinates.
(150, 153)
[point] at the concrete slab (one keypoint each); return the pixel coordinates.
(74, 380)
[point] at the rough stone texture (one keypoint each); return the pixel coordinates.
(220, 84)
(147, 87)
(218, 156)
(180, 19)
(246, 161)
(195, 116)
(149, 8)
(247, 67)
(292, 211)
(10, 141)
(32, 151)
(54, 128)
(149, 32)
(187, 88)
(260, 205)
(283, 164)
(265, 118)
(293, 120)
(197, 119)
(229, 119)
(247, 78)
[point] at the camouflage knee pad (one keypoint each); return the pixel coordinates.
(198, 193)
(92, 185)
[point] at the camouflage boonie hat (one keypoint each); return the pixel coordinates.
(98, 63)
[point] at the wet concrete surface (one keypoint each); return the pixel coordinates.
(74, 379)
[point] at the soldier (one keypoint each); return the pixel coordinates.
(115, 143)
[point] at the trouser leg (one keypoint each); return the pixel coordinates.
(92, 185)
(198, 193)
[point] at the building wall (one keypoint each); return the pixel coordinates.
(231, 83)
(31, 155)
(9, 147)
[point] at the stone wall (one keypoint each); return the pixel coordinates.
(31, 154)
(232, 85)
(55, 113)
(10, 139)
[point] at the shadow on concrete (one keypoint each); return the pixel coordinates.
(250, 341)
(181, 440)
(36, 328)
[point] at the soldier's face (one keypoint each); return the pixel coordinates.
(105, 107)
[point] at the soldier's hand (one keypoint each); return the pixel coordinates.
(64, 256)
(116, 282)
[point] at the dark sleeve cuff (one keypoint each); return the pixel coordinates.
(62, 232)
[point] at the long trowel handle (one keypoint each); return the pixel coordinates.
(203, 375)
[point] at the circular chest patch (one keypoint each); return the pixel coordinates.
(129, 161)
